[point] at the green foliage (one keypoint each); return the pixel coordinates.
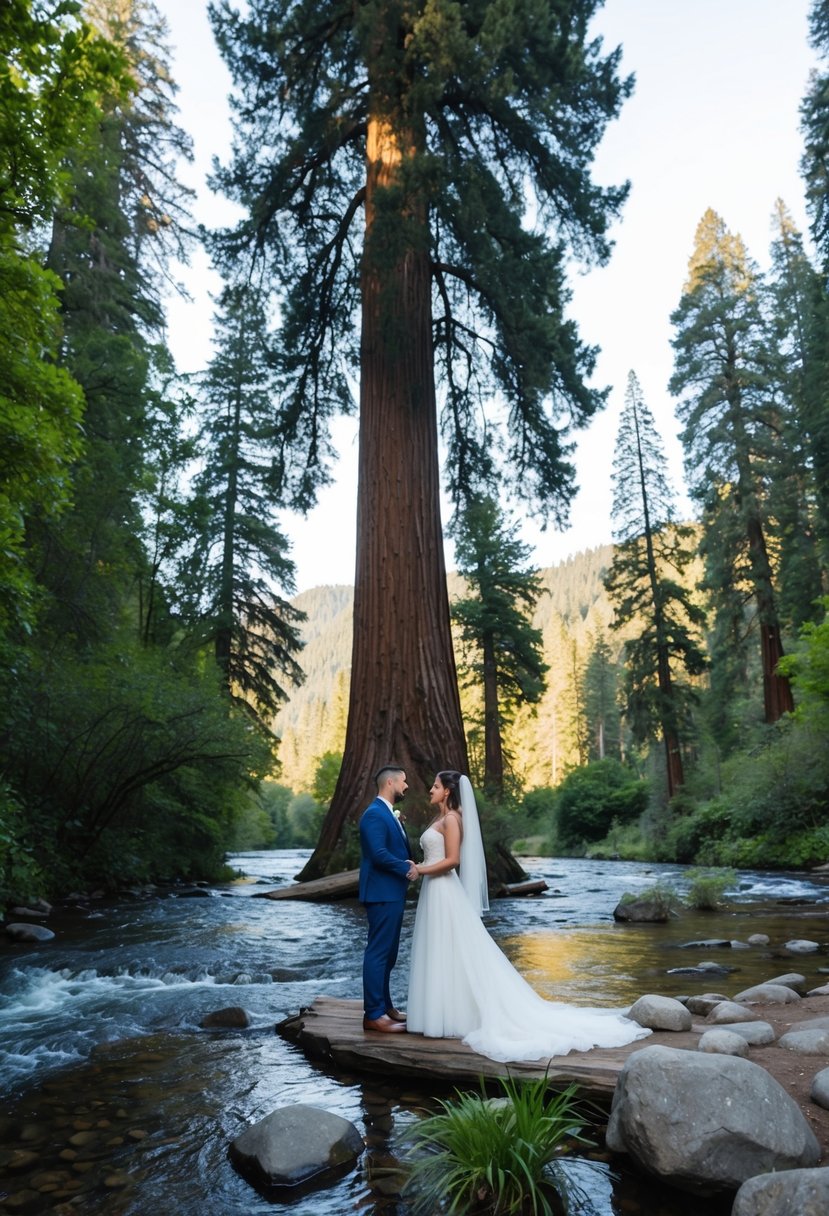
(809, 669)
(708, 887)
(325, 777)
(20, 875)
(664, 898)
(494, 1155)
(590, 798)
(305, 817)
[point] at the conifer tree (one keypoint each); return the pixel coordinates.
(601, 711)
(240, 564)
(725, 374)
(435, 123)
(501, 648)
(645, 583)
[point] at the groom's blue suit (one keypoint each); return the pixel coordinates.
(384, 865)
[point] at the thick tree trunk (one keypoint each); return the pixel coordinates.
(404, 706)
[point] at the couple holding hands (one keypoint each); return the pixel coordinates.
(460, 983)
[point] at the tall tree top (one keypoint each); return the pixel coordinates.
(490, 113)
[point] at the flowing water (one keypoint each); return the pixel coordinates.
(116, 1102)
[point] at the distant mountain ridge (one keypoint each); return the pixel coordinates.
(572, 608)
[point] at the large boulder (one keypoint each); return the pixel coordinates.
(804, 1192)
(22, 932)
(642, 911)
(706, 1123)
(295, 1144)
(233, 1017)
(730, 1011)
(820, 1088)
(813, 1042)
(660, 1013)
(792, 979)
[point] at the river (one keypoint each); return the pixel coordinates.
(116, 1102)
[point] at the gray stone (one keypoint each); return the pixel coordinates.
(705, 944)
(814, 1024)
(802, 946)
(22, 910)
(758, 1034)
(738, 945)
(804, 1192)
(730, 1011)
(642, 911)
(704, 1003)
(768, 994)
(758, 939)
(823, 990)
(723, 1043)
(790, 980)
(806, 1042)
(29, 933)
(660, 1013)
(234, 1017)
(706, 1123)
(820, 1088)
(700, 969)
(294, 1144)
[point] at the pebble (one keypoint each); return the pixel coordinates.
(114, 1182)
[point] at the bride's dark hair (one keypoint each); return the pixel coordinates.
(450, 780)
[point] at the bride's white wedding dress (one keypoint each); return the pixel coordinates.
(461, 985)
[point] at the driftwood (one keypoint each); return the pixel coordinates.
(534, 887)
(333, 886)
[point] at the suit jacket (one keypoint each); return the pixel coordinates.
(384, 855)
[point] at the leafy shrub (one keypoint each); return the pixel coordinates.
(590, 798)
(495, 1155)
(20, 875)
(665, 899)
(708, 888)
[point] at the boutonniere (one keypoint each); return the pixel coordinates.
(398, 815)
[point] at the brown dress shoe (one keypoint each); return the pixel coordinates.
(395, 1015)
(384, 1023)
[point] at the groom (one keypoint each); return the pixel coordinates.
(385, 870)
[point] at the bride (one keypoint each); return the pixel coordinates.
(461, 985)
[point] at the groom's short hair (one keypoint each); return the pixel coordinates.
(386, 771)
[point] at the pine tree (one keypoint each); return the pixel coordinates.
(240, 562)
(437, 122)
(501, 649)
(725, 372)
(645, 583)
(599, 697)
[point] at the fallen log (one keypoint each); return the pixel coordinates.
(533, 887)
(332, 886)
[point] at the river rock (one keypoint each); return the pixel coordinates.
(705, 944)
(805, 1192)
(29, 933)
(806, 1042)
(22, 910)
(642, 911)
(194, 893)
(723, 1043)
(814, 1024)
(731, 1011)
(703, 1004)
(820, 1088)
(758, 939)
(706, 1123)
(768, 994)
(234, 1017)
(660, 1013)
(700, 969)
(757, 1034)
(823, 990)
(792, 979)
(802, 946)
(294, 1144)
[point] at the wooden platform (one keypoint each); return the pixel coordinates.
(331, 1031)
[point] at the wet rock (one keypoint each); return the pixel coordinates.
(756, 1034)
(820, 1088)
(660, 1013)
(21, 1159)
(823, 990)
(738, 945)
(116, 1182)
(806, 1042)
(22, 1201)
(29, 933)
(21, 910)
(642, 911)
(768, 994)
(723, 1043)
(802, 946)
(706, 1123)
(234, 1017)
(707, 944)
(731, 1011)
(792, 979)
(805, 1192)
(295, 1144)
(759, 939)
(194, 893)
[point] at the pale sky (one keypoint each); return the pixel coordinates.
(713, 122)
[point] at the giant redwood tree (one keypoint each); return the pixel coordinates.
(416, 177)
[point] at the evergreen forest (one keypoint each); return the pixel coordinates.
(165, 695)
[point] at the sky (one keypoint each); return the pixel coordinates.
(713, 122)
